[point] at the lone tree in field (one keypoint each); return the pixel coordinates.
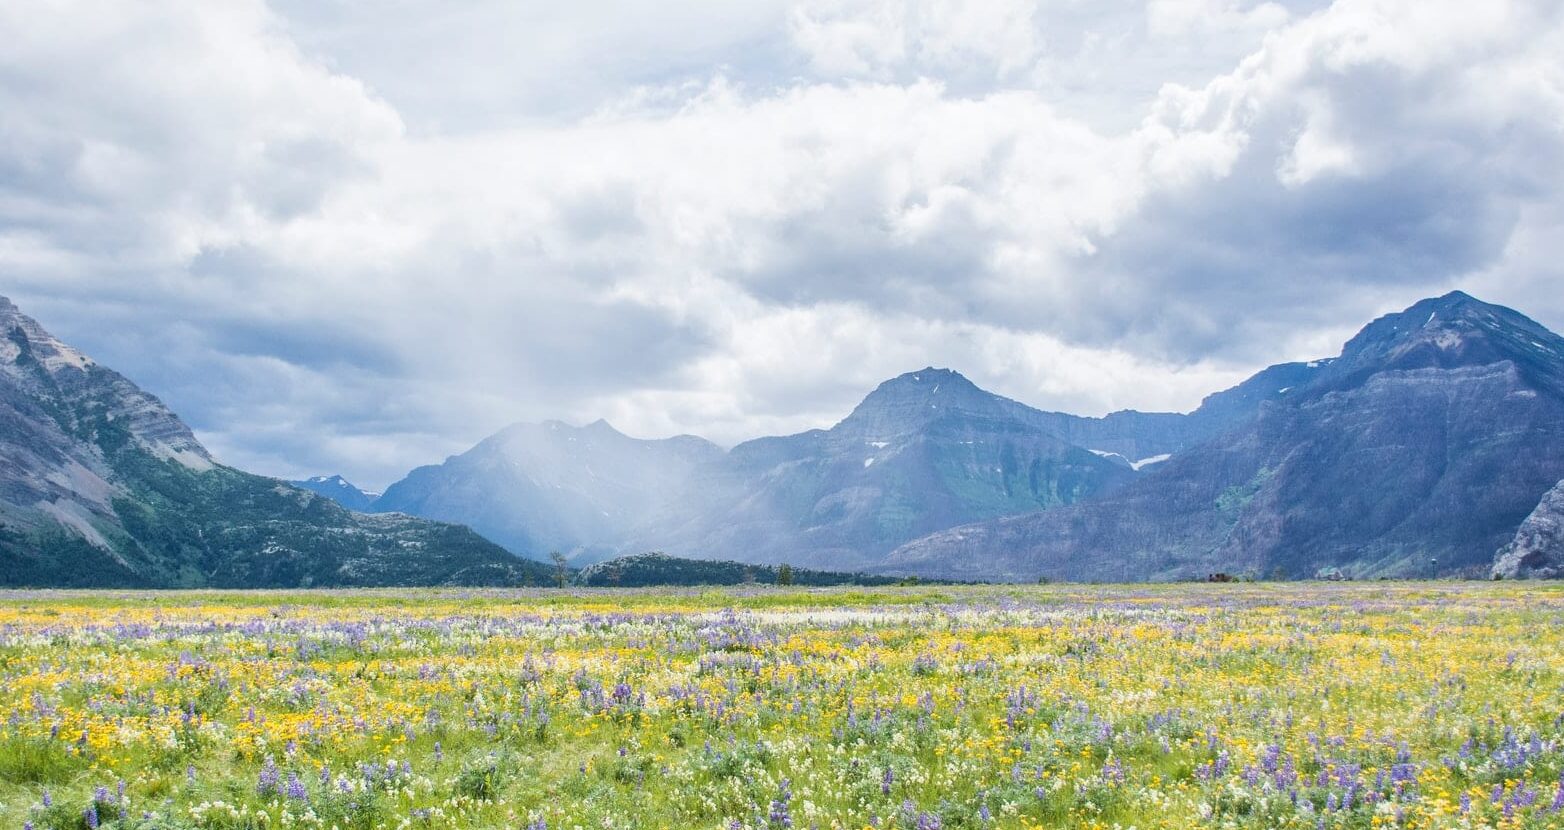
(784, 574)
(561, 569)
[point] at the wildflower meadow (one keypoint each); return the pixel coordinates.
(1345, 705)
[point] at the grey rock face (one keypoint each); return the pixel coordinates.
(88, 397)
(1537, 551)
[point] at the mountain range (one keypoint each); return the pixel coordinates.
(1423, 449)
(923, 452)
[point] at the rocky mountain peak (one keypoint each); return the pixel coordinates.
(24, 342)
(1452, 331)
(86, 398)
(602, 427)
(908, 402)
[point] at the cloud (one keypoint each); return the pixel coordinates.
(1180, 18)
(1384, 151)
(275, 219)
(147, 134)
(885, 39)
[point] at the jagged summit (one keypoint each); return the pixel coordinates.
(91, 400)
(926, 381)
(27, 343)
(908, 403)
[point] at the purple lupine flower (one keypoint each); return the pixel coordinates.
(90, 816)
(780, 815)
(296, 789)
(886, 781)
(269, 779)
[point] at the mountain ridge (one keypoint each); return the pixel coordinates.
(924, 450)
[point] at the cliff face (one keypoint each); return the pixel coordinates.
(1537, 551)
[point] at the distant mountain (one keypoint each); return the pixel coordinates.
(652, 569)
(1417, 452)
(1538, 547)
(537, 488)
(924, 451)
(339, 490)
(101, 485)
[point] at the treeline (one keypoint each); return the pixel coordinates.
(645, 570)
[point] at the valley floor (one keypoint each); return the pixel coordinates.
(1337, 705)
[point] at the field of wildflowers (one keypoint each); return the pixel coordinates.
(1244, 706)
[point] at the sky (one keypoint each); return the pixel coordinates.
(347, 237)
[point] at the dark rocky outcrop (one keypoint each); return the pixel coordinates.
(1537, 551)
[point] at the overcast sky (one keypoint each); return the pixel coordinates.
(357, 237)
